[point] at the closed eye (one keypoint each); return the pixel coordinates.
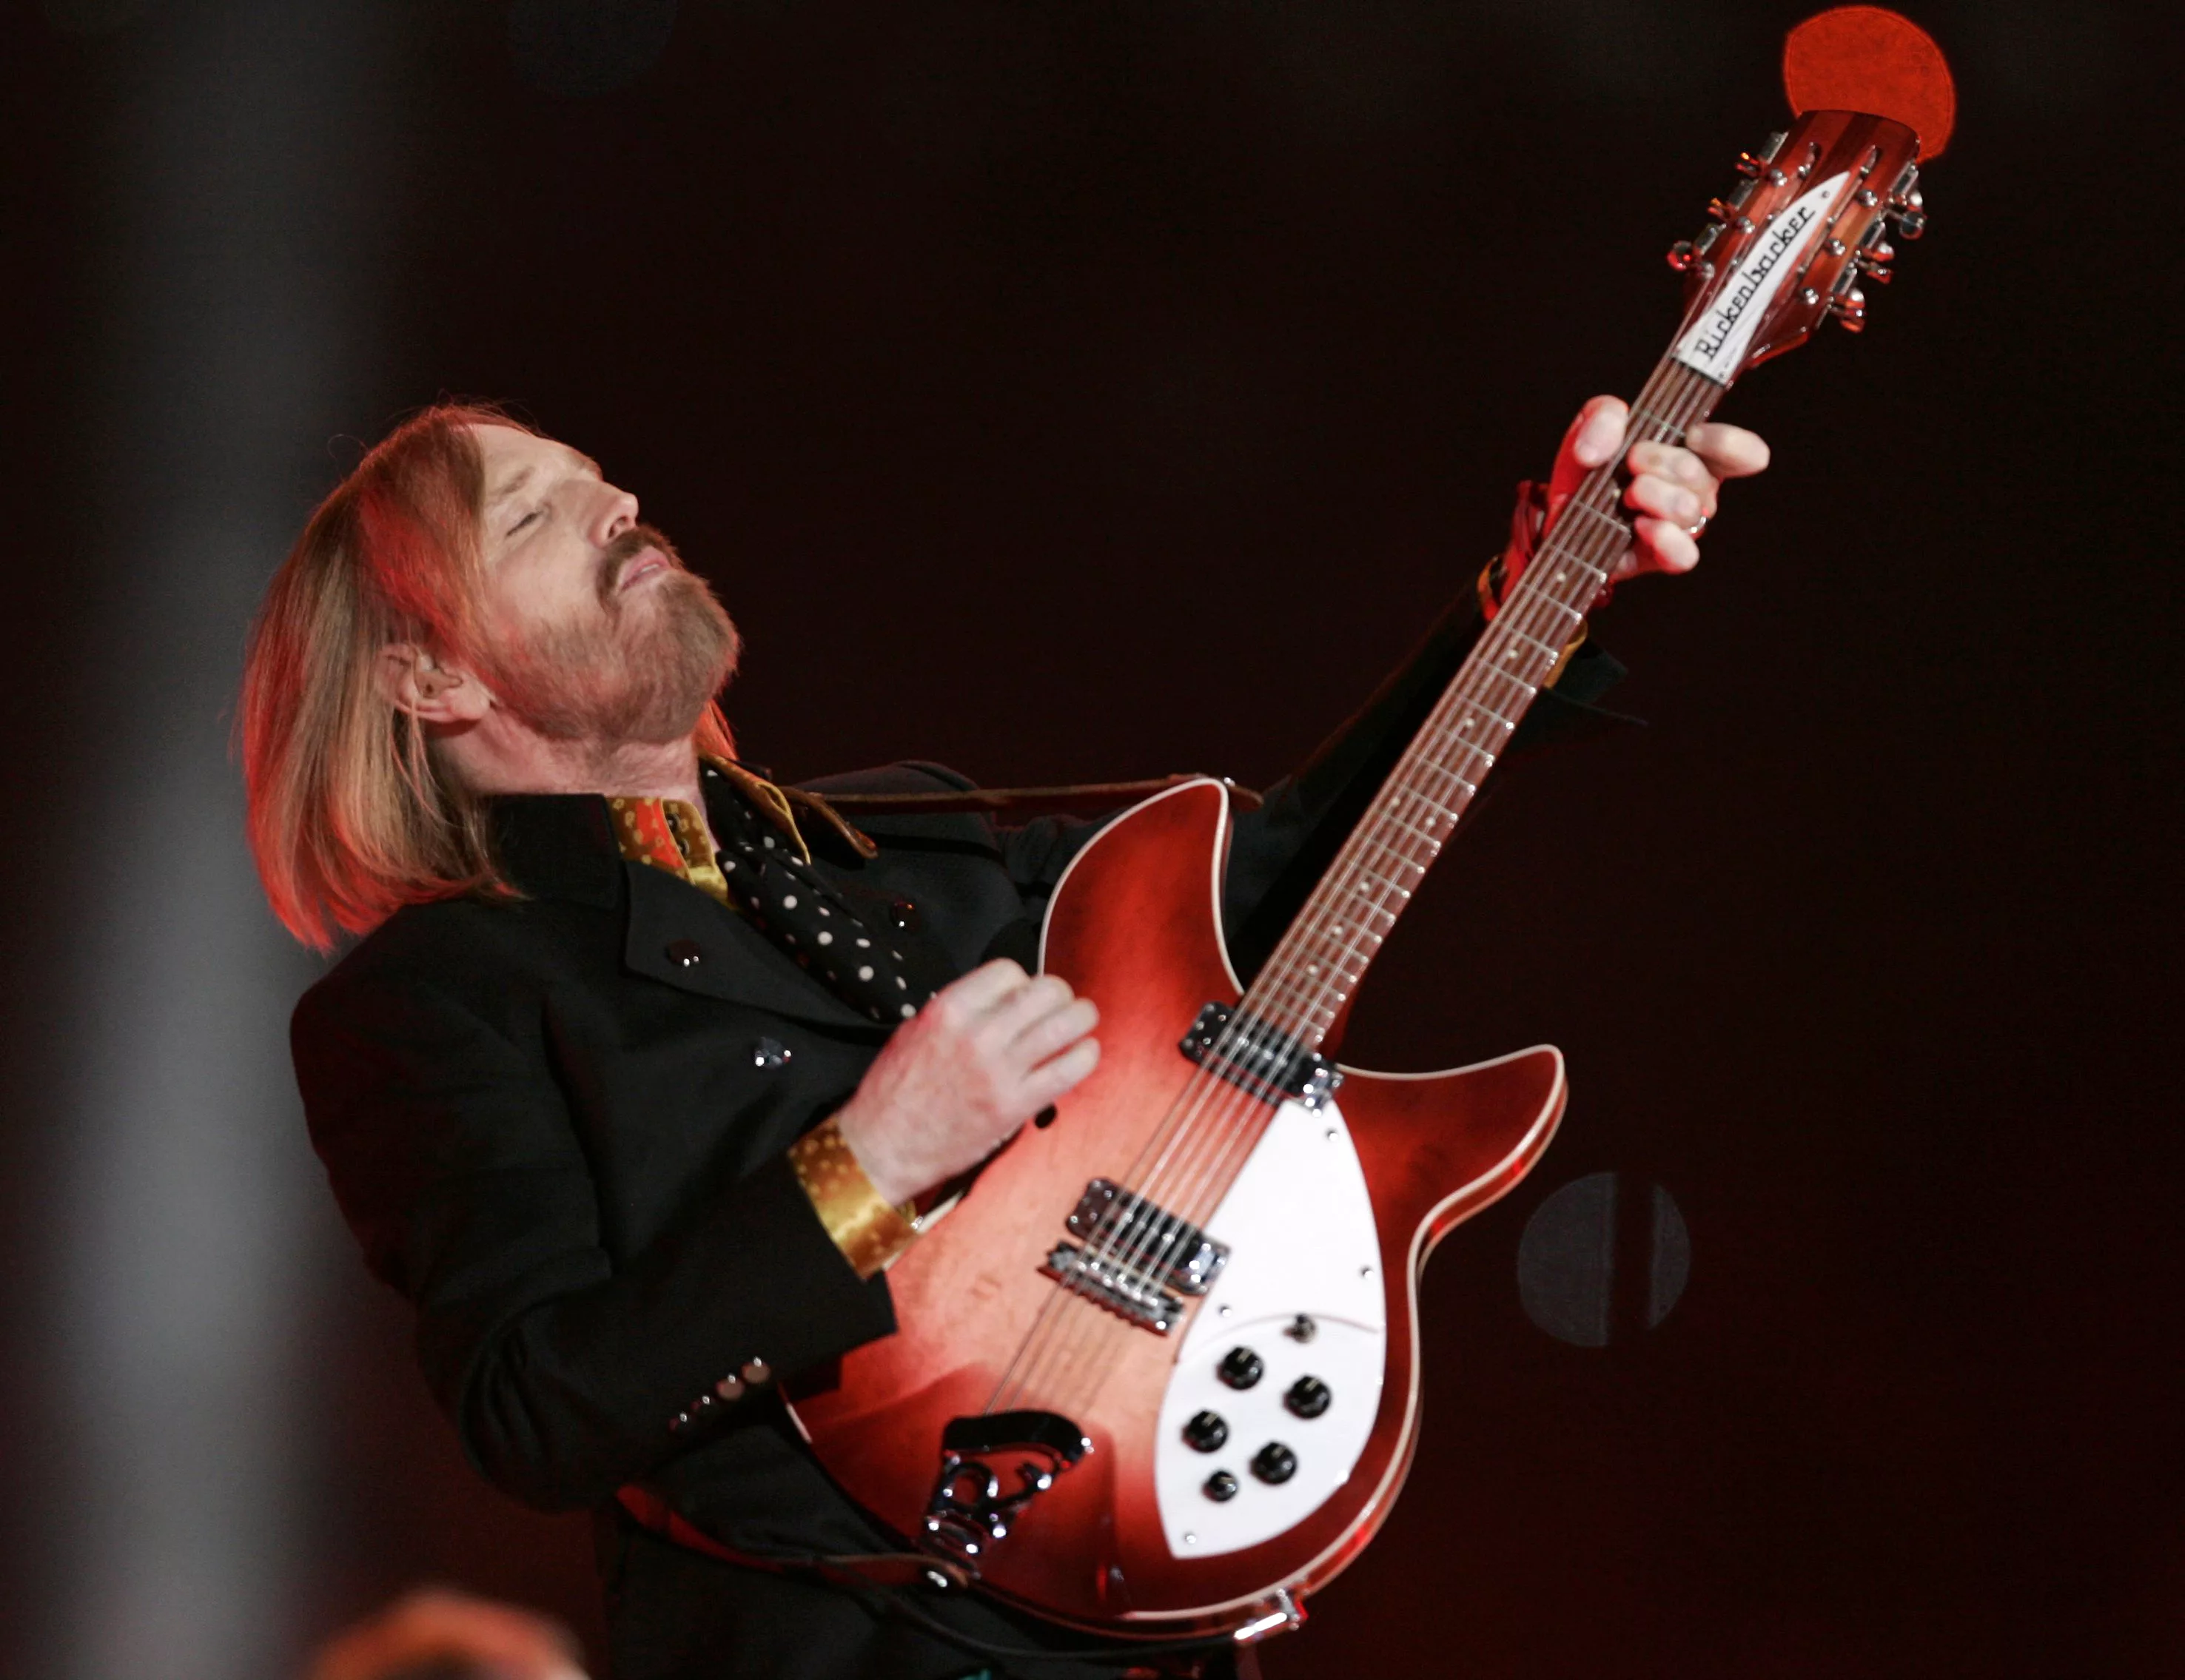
(535, 513)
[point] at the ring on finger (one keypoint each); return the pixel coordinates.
(1695, 530)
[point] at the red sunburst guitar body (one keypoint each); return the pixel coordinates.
(1158, 1368)
(1134, 926)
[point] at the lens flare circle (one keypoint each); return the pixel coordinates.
(1868, 58)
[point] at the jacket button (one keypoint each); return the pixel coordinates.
(730, 1387)
(756, 1371)
(770, 1052)
(902, 914)
(685, 953)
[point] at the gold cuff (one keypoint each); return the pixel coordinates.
(866, 1229)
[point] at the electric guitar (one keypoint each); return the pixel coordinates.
(1158, 1371)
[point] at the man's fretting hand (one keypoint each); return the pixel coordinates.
(1671, 491)
(984, 1056)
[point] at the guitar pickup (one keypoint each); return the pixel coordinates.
(1258, 1059)
(1131, 1231)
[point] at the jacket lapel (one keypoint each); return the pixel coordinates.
(679, 936)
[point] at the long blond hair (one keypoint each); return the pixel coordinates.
(350, 814)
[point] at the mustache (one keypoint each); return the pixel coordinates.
(616, 557)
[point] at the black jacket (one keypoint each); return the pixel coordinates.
(565, 1146)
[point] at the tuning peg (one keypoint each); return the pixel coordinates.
(1874, 266)
(1754, 165)
(1848, 306)
(1685, 255)
(1908, 210)
(1730, 211)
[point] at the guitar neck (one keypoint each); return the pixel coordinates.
(1316, 967)
(1782, 253)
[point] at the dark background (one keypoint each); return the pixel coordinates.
(1071, 392)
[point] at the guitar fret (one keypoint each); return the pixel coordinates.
(1556, 571)
(1542, 648)
(1527, 689)
(1535, 665)
(1384, 881)
(1412, 828)
(1569, 614)
(1575, 504)
(1448, 775)
(1449, 735)
(1666, 429)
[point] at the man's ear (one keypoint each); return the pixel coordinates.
(412, 680)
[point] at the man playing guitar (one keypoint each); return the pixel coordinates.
(635, 1079)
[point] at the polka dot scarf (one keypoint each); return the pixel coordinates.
(771, 880)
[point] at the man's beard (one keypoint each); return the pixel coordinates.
(641, 672)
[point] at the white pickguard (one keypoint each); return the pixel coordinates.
(1300, 1229)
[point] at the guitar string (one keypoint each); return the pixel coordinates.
(1248, 1116)
(1368, 854)
(1318, 913)
(1378, 850)
(1369, 860)
(1222, 1137)
(1696, 387)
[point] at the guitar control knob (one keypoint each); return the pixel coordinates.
(1206, 1431)
(1308, 1397)
(1221, 1486)
(1240, 1368)
(1274, 1463)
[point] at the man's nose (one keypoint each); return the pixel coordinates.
(616, 513)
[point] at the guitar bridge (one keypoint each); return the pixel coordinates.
(1136, 1260)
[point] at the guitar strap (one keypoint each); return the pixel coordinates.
(1087, 799)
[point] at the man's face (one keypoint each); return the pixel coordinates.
(594, 629)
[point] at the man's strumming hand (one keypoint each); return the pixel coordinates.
(1672, 492)
(986, 1054)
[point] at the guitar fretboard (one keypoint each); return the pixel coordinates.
(1317, 967)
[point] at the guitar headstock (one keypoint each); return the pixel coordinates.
(1791, 246)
